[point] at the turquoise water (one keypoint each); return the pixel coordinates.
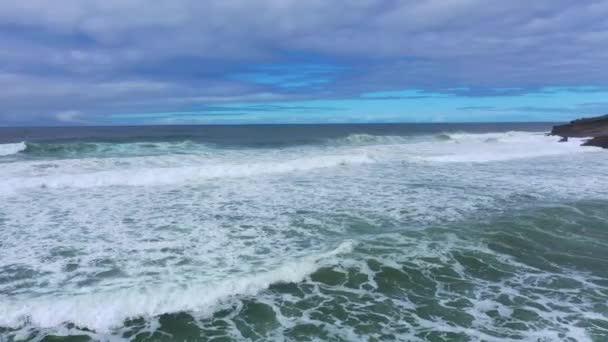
(302, 233)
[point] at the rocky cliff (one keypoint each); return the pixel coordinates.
(595, 128)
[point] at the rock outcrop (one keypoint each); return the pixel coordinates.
(595, 128)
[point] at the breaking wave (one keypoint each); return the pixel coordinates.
(104, 311)
(368, 139)
(464, 147)
(442, 139)
(178, 175)
(8, 149)
(490, 147)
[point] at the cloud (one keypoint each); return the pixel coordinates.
(103, 57)
(70, 117)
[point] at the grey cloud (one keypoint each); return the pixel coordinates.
(108, 56)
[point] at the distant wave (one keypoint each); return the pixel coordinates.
(104, 311)
(463, 147)
(54, 149)
(443, 137)
(154, 170)
(78, 149)
(369, 139)
(115, 149)
(8, 149)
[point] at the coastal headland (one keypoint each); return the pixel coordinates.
(594, 128)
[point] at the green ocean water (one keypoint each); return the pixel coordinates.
(469, 233)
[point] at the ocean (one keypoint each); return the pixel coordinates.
(401, 232)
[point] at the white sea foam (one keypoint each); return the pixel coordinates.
(104, 311)
(463, 147)
(178, 175)
(490, 147)
(8, 149)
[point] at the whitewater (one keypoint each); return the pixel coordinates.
(473, 233)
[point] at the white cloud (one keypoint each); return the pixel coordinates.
(69, 116)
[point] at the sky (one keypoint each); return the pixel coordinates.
(131, 62)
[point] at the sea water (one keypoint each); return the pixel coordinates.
(470, 232)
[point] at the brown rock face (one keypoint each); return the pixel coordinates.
(599, 142)
(595, 128)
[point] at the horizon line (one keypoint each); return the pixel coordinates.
(297, 124)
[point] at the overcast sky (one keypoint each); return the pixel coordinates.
(65, 62)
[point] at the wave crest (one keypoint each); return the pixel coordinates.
(8, 149)
(179, 175)
(446, 137)
(78, 149)
(104, 311)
